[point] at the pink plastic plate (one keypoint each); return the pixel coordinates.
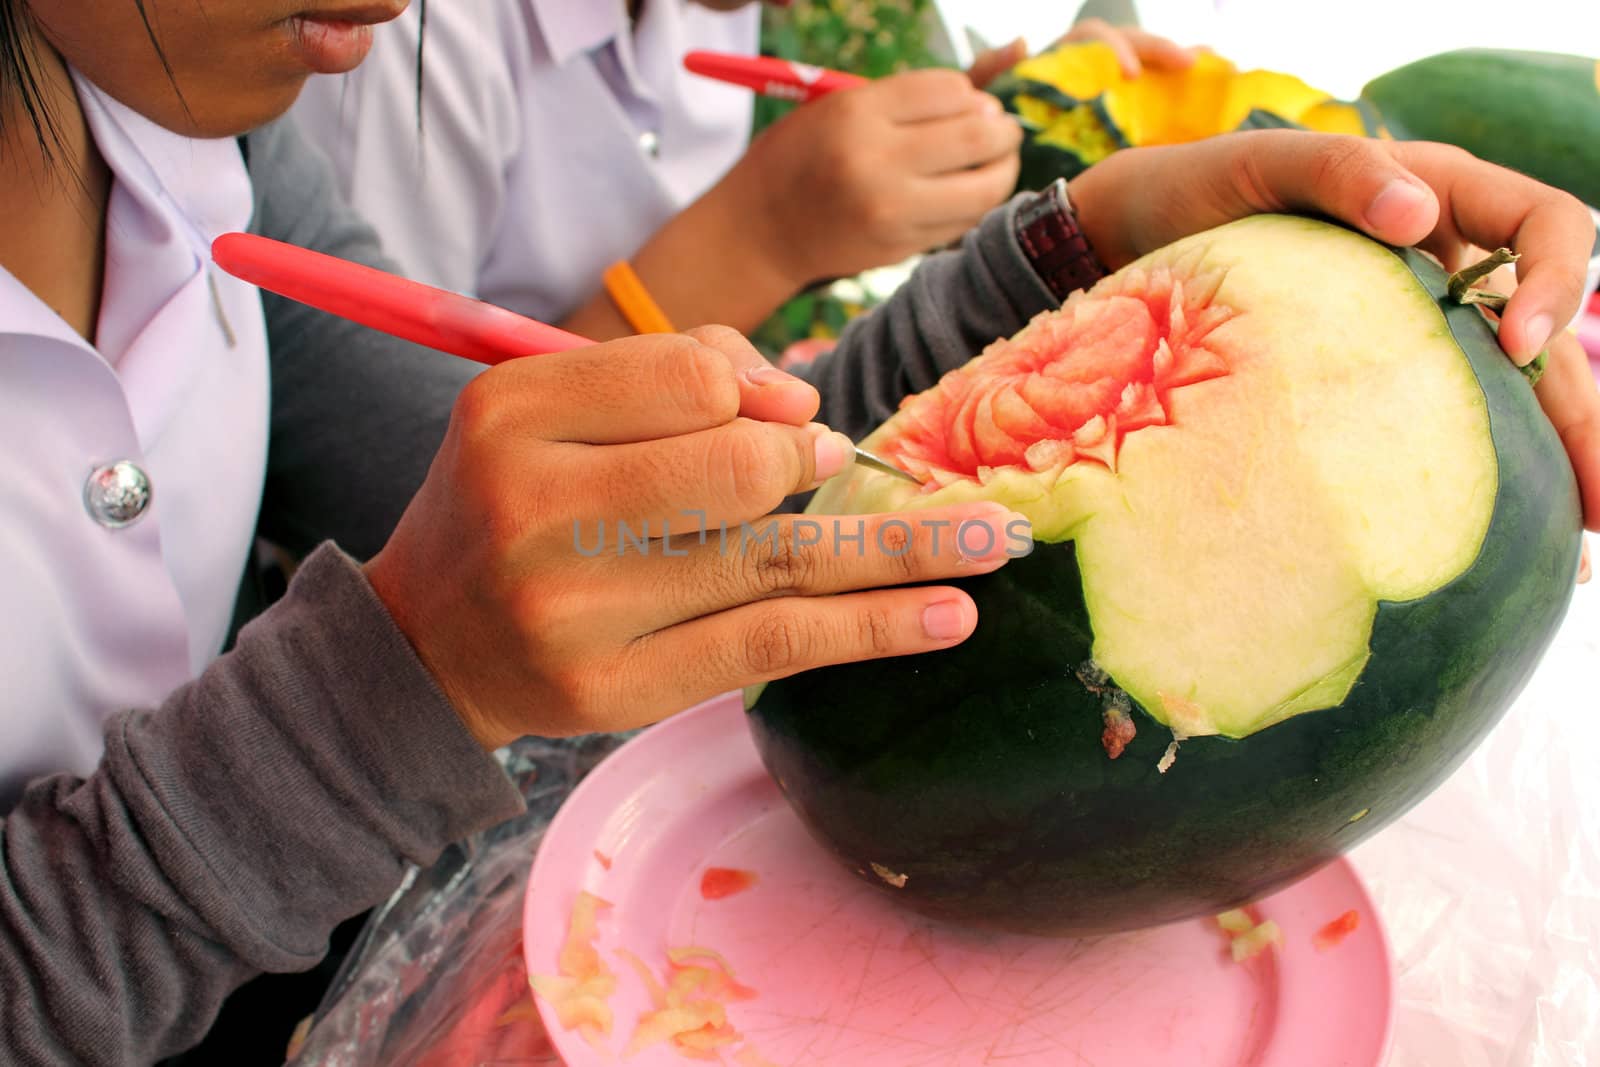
(845, 979)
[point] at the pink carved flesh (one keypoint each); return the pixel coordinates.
(1070, 387)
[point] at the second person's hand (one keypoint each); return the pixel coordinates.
(866, 177)
(861, 178)
(1135, 49)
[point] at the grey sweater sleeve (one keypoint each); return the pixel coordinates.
(954, 305)
(356, 415)
(227, 832)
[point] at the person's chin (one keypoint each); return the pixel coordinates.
(243, 111)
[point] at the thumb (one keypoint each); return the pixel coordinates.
(1352, 179)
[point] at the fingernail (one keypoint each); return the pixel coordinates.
(1395, 205)
(945, 620)
(834, 452)
(1538, 332)
(983, 539)
(1585, 570)
(766, 374)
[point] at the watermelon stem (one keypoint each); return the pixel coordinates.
(1495, 302)
(1535, 370)
(1458, 285)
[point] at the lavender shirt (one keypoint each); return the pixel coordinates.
(554, 138)
(95, 618)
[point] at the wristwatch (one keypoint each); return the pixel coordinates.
(1048, 233)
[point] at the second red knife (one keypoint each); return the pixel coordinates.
(771, 77)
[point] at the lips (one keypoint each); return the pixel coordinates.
(336, 40)
(359, 14)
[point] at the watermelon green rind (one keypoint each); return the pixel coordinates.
(1535, 112)
(1261, 119)
(1043, 163)
(1039, 90)
(1001, 807)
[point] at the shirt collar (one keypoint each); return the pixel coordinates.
(571, 28)
(201, 184)
(200, 189)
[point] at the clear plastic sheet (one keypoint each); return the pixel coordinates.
(437, 977)
(1489, 889)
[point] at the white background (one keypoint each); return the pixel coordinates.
(1336, 45)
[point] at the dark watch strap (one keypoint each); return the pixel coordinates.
(1048, 232)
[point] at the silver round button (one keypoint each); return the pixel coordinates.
(116, 494)
(650, 144)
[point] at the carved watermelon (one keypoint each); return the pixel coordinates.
(1303, 533)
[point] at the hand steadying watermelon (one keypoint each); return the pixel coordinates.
(1298, 516)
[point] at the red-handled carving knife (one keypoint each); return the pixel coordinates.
(435, 318)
